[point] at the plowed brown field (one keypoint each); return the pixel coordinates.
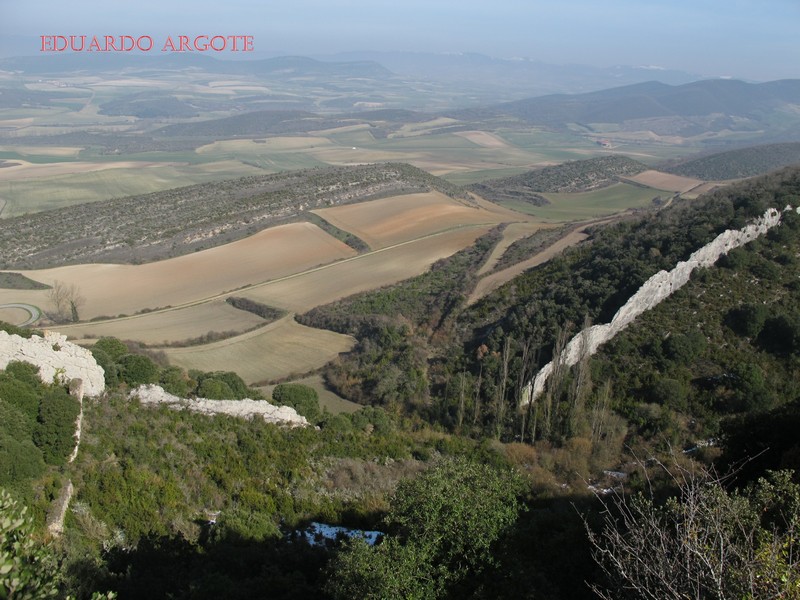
(389, 221)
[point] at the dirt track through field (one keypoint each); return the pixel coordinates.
(512, 233)
(491, 282)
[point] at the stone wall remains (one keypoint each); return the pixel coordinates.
(659, 287)
(58, 360)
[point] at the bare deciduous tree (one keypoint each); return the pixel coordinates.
(66, 300)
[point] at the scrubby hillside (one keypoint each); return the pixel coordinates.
(183, 220)
(170, 502)
(574, 176)
(735, 164)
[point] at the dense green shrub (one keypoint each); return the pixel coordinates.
(302, 398)
(781, 334)
(442, 525)
(137, 369)
(110, 368)
(20, 459)
(214, 389)
(747, 319)
(174, 381)
(25, 372)
(114, 348)
(55, 430)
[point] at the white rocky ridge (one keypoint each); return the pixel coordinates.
(58, 360)
(653, 291)
(282, 415)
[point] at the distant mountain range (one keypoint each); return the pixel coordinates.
(515, 78)
(686, 110)
(522, 74)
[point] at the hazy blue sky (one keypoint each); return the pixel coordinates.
(757, 39)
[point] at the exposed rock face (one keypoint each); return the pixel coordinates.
(247, 408)
(55, 517)
(653, 291)
(58, 360)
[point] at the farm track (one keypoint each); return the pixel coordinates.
(491, 282)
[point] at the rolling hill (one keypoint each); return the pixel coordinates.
(182, 220)
(574, 176)
(742, 162)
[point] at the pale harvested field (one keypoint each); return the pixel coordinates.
(491, 282)
(16, 123)
(390, 221)
(666, 181)
(343, 129)
(27, 170)
(275, 351)
(164, 327)
(512, 233)
(116, 289)
(414, 129)
(483, 138)
(272, 144)
(348, 155)
(42, 150)
(303, 292)
(15, 316)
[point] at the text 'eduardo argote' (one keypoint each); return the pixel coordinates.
(145, 43)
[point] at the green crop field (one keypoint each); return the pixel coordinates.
(574, 207)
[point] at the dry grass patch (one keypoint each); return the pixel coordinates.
(389, 221)
(666, 181)
(15, 316)
(273, 352)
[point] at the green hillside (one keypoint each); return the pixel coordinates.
(572, 176)
(175, 504)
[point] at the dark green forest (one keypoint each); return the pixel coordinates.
(667, 465)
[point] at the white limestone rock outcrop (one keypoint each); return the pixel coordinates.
(155, 395)
(653, 291)
(58, 360)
